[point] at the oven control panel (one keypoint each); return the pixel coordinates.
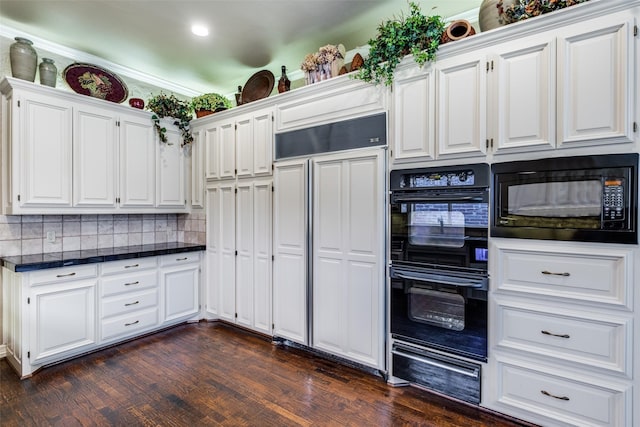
(466, 176)
(613, 199)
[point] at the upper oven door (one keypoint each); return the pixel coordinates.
(447, 227)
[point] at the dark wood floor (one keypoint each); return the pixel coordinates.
(214, 374)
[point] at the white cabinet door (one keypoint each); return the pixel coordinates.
(212, 151)
(227, 248)
(137, 162)
(263, 142)
(244, 250)
(262, 250)
(197, 176)
(94, 157)
(62, 319)
(227, 150)
(595, 82)
(290, 251)
(461, 106)
(44, 147)
(244, 146)
(348, 256)
(171, 174)
(180, 284)
(213, 254)
(414, 116)
(523, 83)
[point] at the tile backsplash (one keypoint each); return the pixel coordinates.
(27, 234)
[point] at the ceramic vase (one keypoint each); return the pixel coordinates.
(24, 59)
(457, 30)
(490, 11)
(48, 72)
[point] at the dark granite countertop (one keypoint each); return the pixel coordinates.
(23, 263)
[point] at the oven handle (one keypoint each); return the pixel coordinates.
(472, 374)
(435, 278)
(452, 197)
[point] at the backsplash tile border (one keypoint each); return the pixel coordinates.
(27, 234)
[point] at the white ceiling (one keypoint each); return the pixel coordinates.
(153, 36)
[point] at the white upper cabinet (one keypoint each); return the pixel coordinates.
(595, 83)
(197, 175)
(239, 146)
(523, 113)
(170, 182)
(66, 153)
(40, 152)
(413, 114)
(137, 162)
(94, 153)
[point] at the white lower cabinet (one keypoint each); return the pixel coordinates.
(562, 332)
(54, 314)
(63, 318)
(239, 253)
(179, 280)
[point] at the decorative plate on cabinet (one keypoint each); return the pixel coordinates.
(95, 81)
(258, 86)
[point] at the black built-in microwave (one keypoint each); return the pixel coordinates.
(586, 198)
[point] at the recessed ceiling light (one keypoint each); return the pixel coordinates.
(199, 30)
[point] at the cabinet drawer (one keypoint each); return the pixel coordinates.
(129, 324)
(561, 399)
(599, 341)
(129, 283)
(181, 258)
(128, 265)
(129, 302)
(63, 274)
(595, 274)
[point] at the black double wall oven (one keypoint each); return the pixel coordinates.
(439, 219)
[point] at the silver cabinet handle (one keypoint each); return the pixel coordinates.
(131, 303)
(132, 323)
(182, 259)
(555, 274)
(546, 393)
(66, 275)
(555, 335)
(132, 266)
(132, 283)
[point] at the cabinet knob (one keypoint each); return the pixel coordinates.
(132, 323)
(132, 266)
(132, 303)
(555, 274)
(66, 275)
(555, 335)
(546, 393)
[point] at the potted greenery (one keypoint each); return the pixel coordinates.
(164, 105)
(209, 103)
(415, 34)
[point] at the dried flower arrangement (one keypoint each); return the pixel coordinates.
(524, 9)
(318, 66)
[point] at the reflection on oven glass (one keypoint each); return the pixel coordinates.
(438, 308)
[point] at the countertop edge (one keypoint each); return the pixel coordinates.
(127, 252)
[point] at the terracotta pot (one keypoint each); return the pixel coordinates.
(490, 11)
(457, 30)
(202, 113)
(136, 103)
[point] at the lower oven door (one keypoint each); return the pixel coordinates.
(443, 311)
(447, 375)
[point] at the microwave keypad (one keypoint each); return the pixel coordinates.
(613, 200)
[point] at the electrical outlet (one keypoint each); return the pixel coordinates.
(51, 236)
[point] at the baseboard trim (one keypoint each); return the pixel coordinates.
(3, 351)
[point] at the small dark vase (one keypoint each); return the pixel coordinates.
(136, 103)
(239, 96)
(284, 84)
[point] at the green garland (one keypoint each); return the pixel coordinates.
(416, 34)
(164, 105)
